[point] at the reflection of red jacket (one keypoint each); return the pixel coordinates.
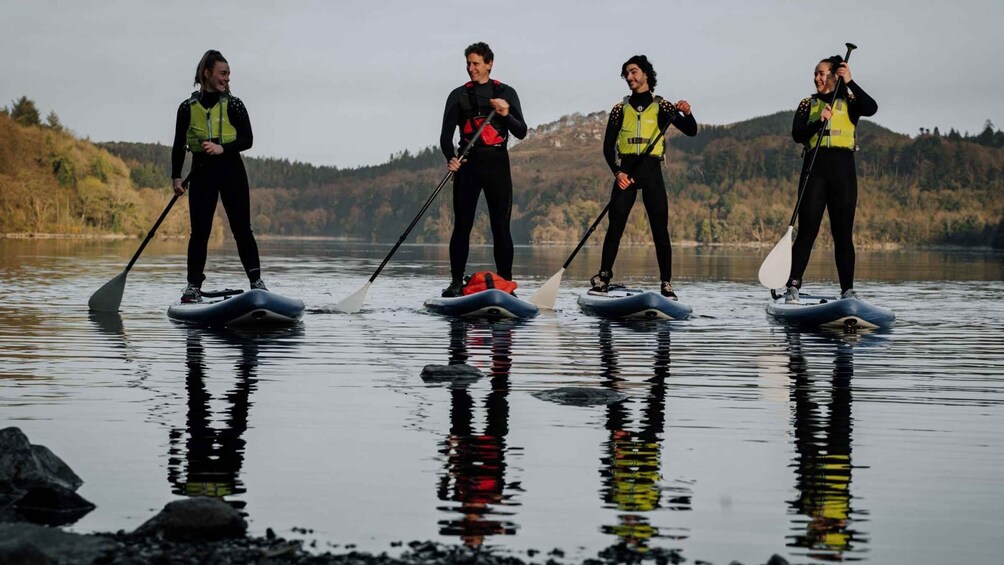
(485, 280)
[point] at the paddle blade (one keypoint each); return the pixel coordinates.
(547, 295)
(109, 297)
(354, 302)
(777, 266)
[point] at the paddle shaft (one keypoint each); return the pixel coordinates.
(442, 183)
(819, 139)
(160, 220)
(592, 228)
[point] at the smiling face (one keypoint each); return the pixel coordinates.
(823, 78)
(478, 69)
(217, 79)
(636, 79)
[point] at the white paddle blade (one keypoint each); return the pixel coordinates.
(354, 302)
(547, 295)
(109, 297)
(777, 266)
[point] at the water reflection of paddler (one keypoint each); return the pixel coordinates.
(823, 452)
(632, 465)
(475, 463)
(206, 460)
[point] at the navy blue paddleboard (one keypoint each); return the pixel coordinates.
(244, 309)
(633, 304)
(831, 312)
(491, 303)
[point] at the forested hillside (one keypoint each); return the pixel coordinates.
(729, 184)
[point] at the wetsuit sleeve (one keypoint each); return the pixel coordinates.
(801, 130)
(180, 141)
(614, 123)
(860, 104)
(668, 113)
(451, 116)
(239, 118)
(514, 121)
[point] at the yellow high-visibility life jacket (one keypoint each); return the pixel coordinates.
(209, 124)
(839, 132)
(639, 128)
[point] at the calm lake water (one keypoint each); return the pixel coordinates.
(738, 438)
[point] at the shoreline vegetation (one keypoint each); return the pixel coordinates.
(732, 185)
(875, 246)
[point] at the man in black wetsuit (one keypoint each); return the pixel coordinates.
(632, 124)
(486, 166)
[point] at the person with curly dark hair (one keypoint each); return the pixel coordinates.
(214, 125)
(633, 123)
(832, 184)
(486, 166)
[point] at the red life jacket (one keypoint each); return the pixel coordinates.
(485, 280)
(473, 116)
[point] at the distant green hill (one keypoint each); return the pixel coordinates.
(729, 184)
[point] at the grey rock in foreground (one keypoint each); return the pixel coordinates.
(35, 484)
(192, 519)
(24, 466)
(580, 396)
(457, 373)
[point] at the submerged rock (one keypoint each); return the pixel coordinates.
(200, 518)
(53, 505)
(459, 372)
(580, 396)
(40, 544)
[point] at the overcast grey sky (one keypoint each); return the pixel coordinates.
(349, 83)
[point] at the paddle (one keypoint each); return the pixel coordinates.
(354, 302)
(776, 268)
(547, 294)
(109, 297)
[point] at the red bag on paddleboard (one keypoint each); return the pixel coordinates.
(485, 280)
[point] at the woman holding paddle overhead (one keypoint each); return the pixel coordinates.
(633, 124)
(833, 113)
(215, 127)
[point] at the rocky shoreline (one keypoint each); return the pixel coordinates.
(37, 497)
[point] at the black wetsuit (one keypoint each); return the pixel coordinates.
(487, 168)
(647, 175)
(216, 177)
(832, 185)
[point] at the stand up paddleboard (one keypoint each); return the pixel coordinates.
(237, 308)
(830, 312)
(491, 303)
(633, 304)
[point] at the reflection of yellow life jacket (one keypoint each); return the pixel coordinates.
(831, 504)
(206, 124)
(215, 490)
(637, 533)
(636, 475)
(839, 132)
(639, 128)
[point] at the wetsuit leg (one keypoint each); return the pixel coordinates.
(810, 216)
(653, 194)
(498, 196)
(466, 190)
(236, 196)
(621, 202)
(202, 197)
(841, 202)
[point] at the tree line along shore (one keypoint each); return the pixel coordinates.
(734, 185)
